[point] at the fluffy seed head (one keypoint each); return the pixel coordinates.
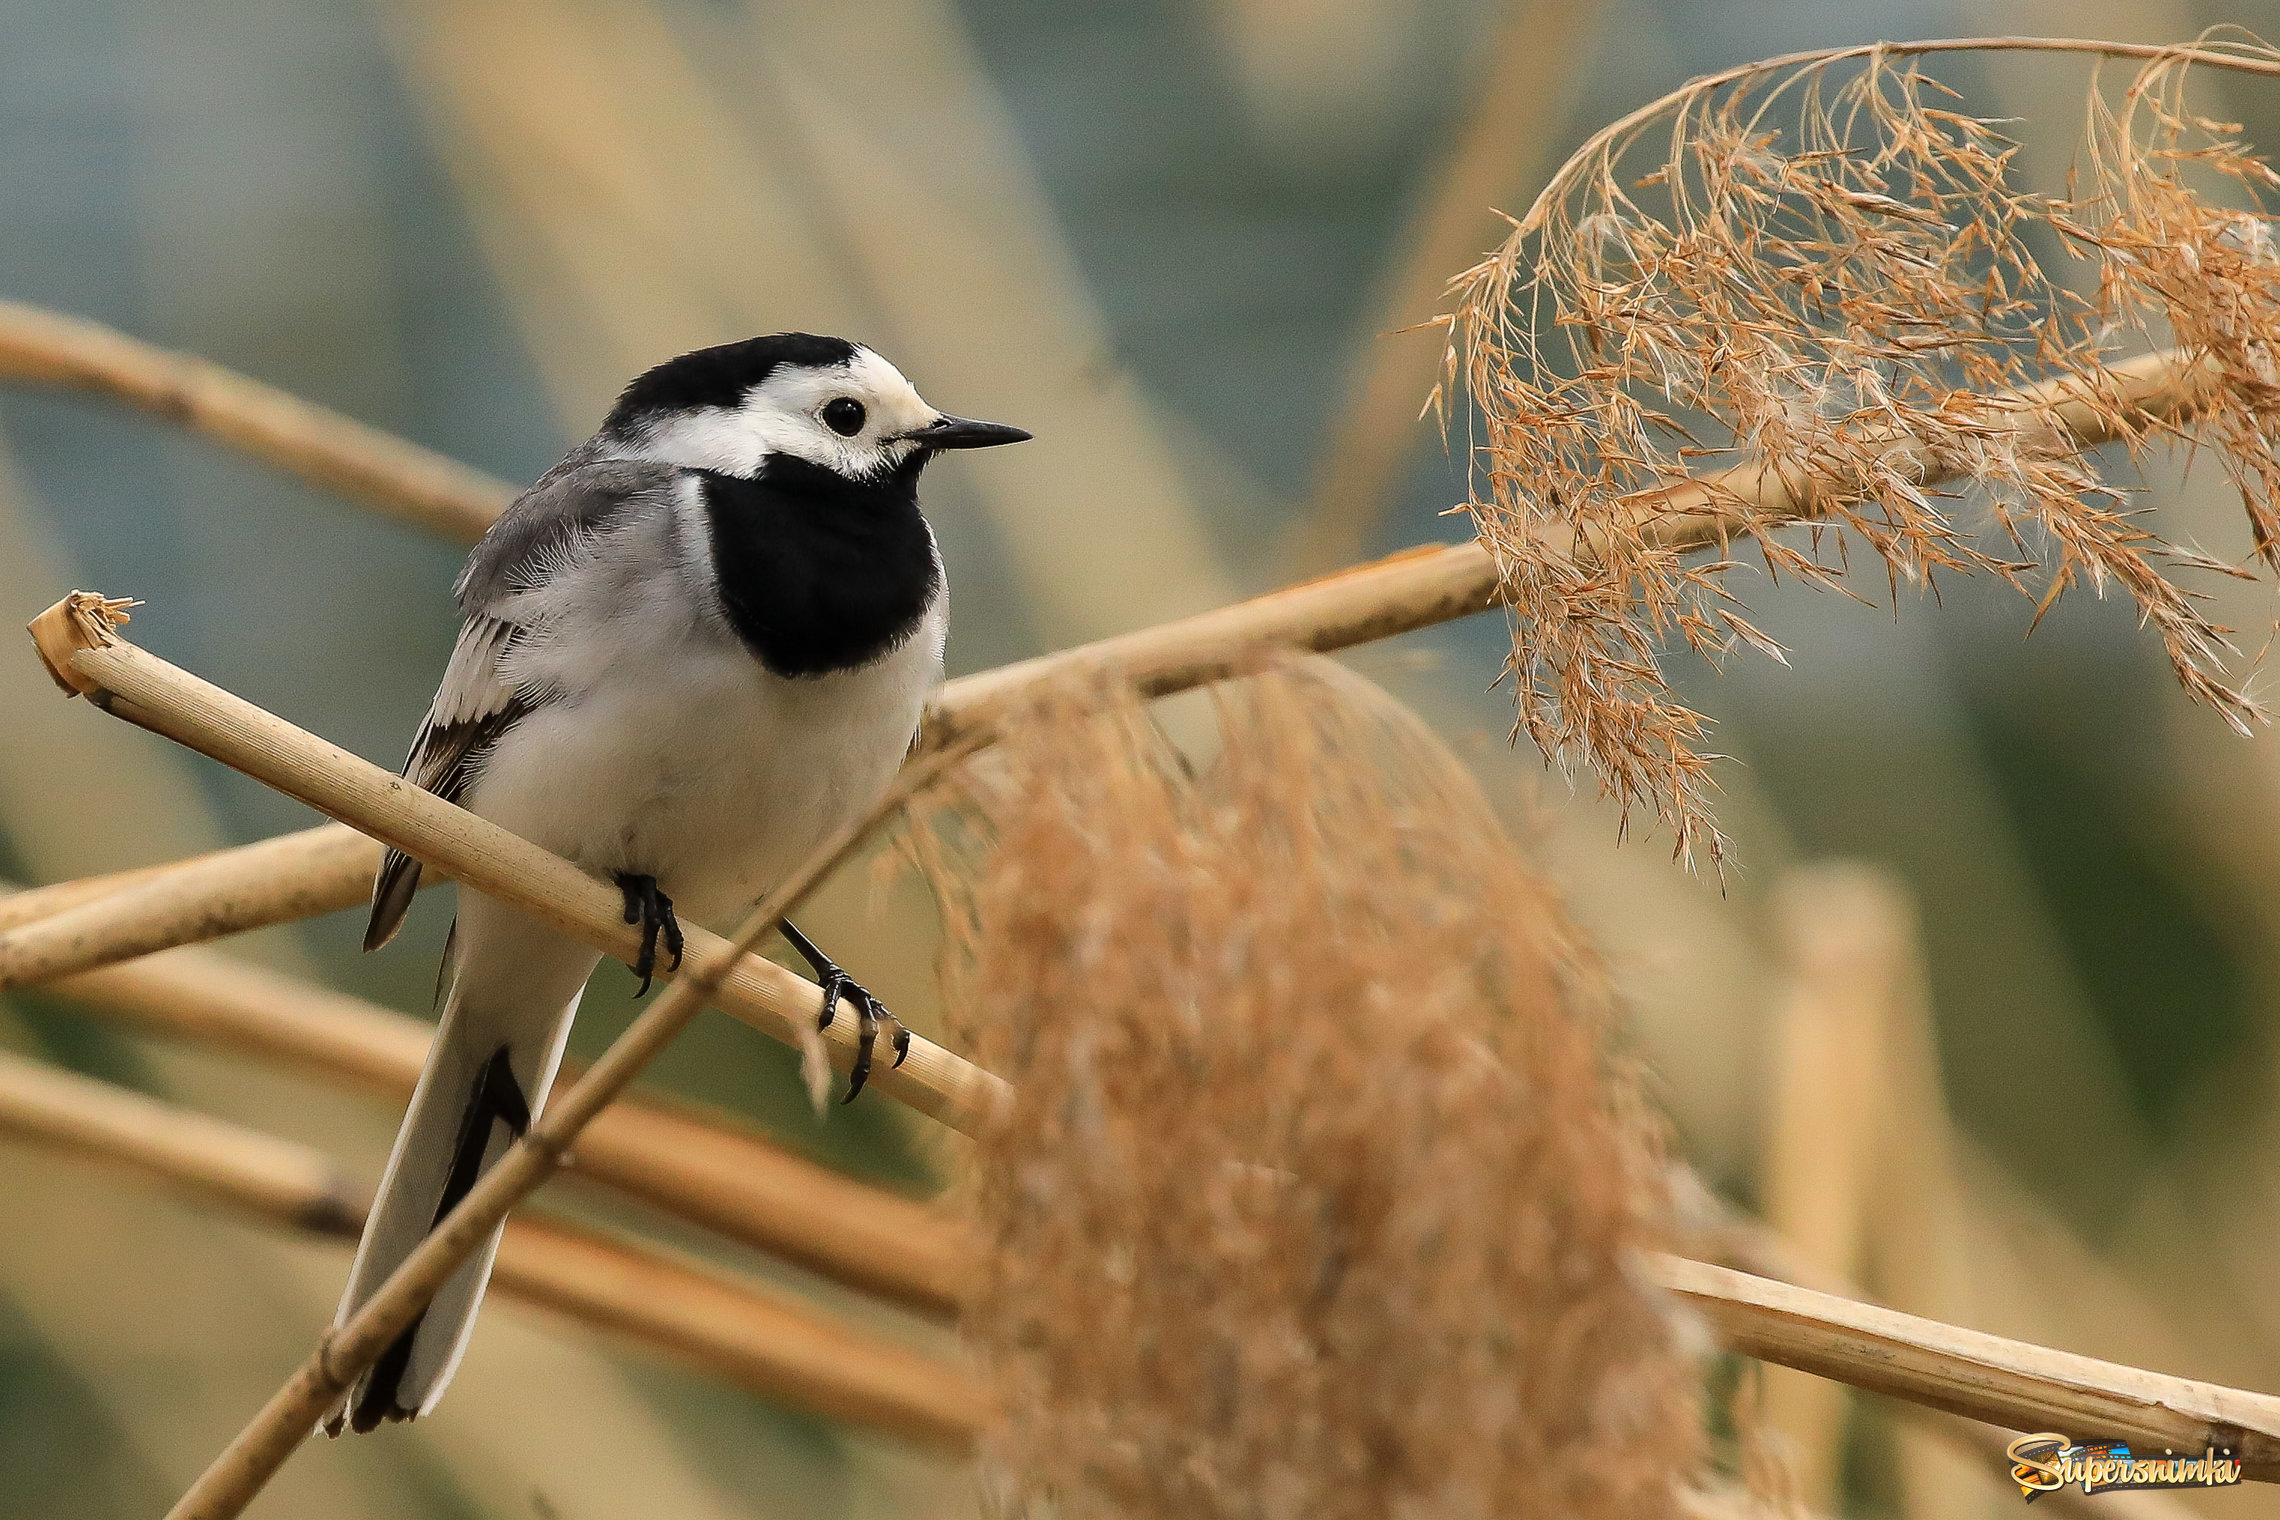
(1820, 264)
(1318, 1192)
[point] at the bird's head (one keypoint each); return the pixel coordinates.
(827, 401)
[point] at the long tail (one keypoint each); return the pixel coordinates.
(514, 990)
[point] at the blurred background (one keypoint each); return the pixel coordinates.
(1982, 1014)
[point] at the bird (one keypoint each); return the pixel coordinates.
(690, 652)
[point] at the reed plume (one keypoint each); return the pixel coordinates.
(1820, 265)
(1321, 1190)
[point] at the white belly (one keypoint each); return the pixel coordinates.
(689, 761)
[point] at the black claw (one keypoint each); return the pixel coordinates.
(834, 983)
(867, 1030)
(837, 985)
(653, 910)
(870, 1013)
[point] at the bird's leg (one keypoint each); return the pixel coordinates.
(653, 910)
(869, 1011)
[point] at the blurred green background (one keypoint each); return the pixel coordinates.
(1168, 238)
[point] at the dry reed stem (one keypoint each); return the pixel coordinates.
(704, 1169)
(32, 904)
(1426, 586)
(241, 1471)
(1923, 1249)
(235, 1007)
(1318, 1186)
(1400, 594)
(1734, 1240)
(766, 1342)
(1821, 260)
(54, 931)
(213, 718)
(1824, 1117)
(1966, 1372)
(647, 1153)
(209, 1158)
(206, 997)
(324, 448)
(132, 684)
(772, 1344)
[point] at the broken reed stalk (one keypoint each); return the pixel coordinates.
(703, 1169)
(345, 1351)
(764, 1341)
(321, 446)
(1400, 594)
(77, 639)
(1986, 1377)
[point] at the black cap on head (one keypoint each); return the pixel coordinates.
(720, 376)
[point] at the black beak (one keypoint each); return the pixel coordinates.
(965, 433)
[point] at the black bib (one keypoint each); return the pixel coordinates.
(818, 572)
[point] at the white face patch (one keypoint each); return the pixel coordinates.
(792, 412)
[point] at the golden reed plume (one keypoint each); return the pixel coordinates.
(1321, 1191)
(1817, 265)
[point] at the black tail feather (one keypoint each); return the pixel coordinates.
(497, 1098)
(392, 892)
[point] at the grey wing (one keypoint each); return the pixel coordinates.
(474, 705)
(577, 498)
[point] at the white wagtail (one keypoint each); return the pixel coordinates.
(692, 650)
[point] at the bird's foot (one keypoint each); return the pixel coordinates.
(870, 1013)
(653, 910)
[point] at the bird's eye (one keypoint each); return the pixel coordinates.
(844, 416)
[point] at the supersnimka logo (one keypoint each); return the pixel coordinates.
(2047, 1461)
